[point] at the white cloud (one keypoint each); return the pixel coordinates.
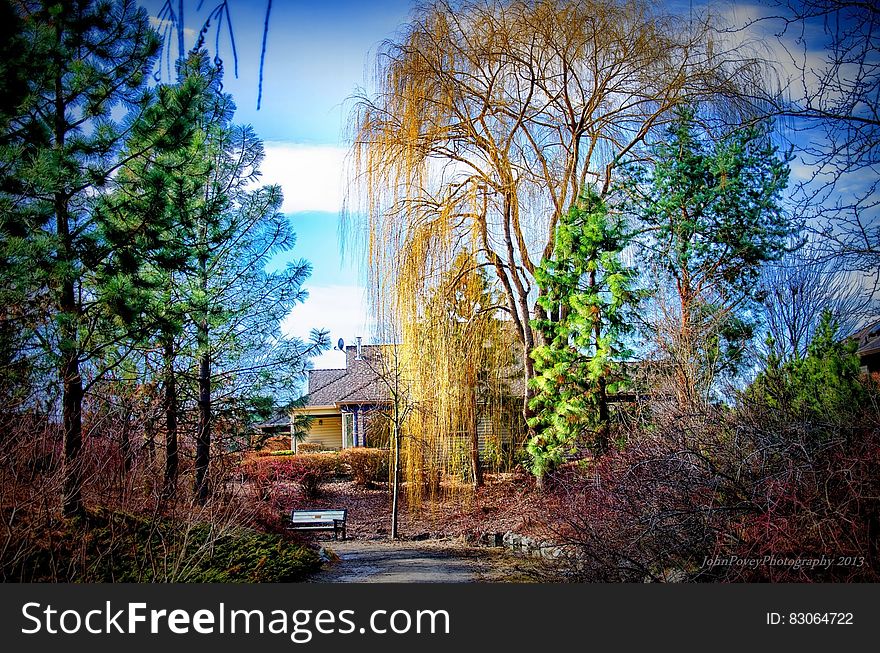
(309, 175)
(164, 23)
(340, 309)
(798, 61)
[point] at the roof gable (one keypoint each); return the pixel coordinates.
(359, 382)
(868, 339)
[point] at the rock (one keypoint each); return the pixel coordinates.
(531, 546)
(492, 539)
(512, 540)
(327, 555)
(421, 536)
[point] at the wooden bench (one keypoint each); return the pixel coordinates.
(318, 520)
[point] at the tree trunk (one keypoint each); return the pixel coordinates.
(170, 406)
(395, 484)
(604, 427)
(71, 383)
(68, 318)
(125, 443)
(528, 375)
(203, 435)
(150, 437)
(518, 300)
(603, 433)
(685, 378)
(476, 466)
(71, 402)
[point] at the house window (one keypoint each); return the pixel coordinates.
(347, 430)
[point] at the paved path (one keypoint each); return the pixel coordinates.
(363, 561)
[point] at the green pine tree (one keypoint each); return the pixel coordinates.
(92, 59)
(212, 301)
(712, 215)
(819, 391)
(160, 196)
(22, 302)
(587, 295)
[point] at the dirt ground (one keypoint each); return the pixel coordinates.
(429, 561)
(505, 503)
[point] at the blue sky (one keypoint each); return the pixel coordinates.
(317, 55)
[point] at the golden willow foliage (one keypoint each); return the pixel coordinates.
(458, 359)
(489, 118)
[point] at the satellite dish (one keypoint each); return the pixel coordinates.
(340, 344)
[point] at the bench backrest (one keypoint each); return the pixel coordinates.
(306, 516)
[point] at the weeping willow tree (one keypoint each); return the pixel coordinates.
(489, 118)
(458, 355)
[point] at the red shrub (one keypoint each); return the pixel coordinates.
(310, 471)
(307, 471)
(727, 496)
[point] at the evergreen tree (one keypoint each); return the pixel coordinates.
(212, 302)
(237, 302)
(820, 389)
(587, 295)
(712, 216)
(92, 59)
(22, 304)
(161, 194)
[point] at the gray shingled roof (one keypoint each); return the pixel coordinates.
(868, 339)
(357, 383)
(370, 392)
(324, 386)
(319, 378)
(277, 420)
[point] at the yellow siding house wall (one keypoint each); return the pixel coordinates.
(325, 430)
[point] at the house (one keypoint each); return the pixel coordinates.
(345, 405)
(277, 424)
(343, 402)
(273, 434)
(868, 347)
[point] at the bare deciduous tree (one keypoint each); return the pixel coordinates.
(385, 363)
(798, 289)
(829, 104)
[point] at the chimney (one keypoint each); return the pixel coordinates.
(358, 357)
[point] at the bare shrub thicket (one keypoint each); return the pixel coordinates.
(131, 532)
(691, 492)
